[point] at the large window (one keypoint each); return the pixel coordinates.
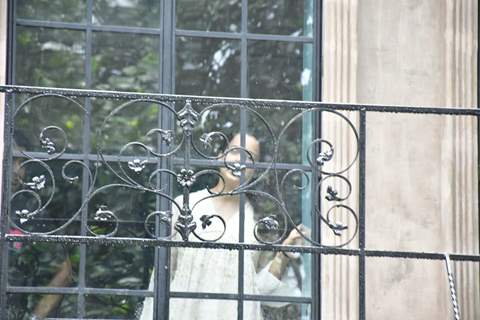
(257, 49)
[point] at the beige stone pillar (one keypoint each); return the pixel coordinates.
(340, 274)
(422, 177)
(460, 154)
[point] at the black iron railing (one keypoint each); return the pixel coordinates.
(175, 152)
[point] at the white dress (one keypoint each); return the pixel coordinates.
(216, 270)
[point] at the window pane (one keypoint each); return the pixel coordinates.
(58, 119)
(209, 15)
(112, 307)
(204, 270)
(124, 267)
(266, 277)
(56, 10)
(125, 62)
(289, 17)
(207, 66)
(50, 57)
(42, 199)
(276, 70)
(132, 13)
(124, 209)
(276, 310)
(43, 264)
(23, 306)
(210, 309)
(127, 124)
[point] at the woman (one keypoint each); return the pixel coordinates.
(215, 270)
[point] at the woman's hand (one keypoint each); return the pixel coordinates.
(281, 259)
(295, 236)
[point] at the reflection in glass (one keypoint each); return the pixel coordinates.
(128, 207)
(42, 264)
(125, 62)
(60, 198)
(50, 57)
(207, 66)
(25, 306)
(131, 123)
(49, 112)
(277, 71)
(209, 15)
(132, 13)
(288, 17)
(56, 10)
(112, 307)
(118, 267)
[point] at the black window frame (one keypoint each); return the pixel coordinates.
(168, 33)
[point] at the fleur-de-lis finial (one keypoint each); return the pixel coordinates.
(185, 224)
(188, 117)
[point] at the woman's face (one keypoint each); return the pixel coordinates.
(236, 166)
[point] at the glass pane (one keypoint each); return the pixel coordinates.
(43, 200)
(49, 124)
(124, 267)
(204, 270)
(276, 310)
(127, 124)
(27, 306)
(208, 15)
(112, 307)
(125, 62)
(56, 10)
(289, 17)
(124, 209)
(197, 309)
(207, 66)
(132, 13)
(276, 70)
(43, 264)
(277, 274)
(58, 57)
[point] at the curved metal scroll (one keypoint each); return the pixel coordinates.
(132, 167)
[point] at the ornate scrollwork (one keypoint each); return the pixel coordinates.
(138, 169)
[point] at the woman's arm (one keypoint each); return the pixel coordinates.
(281, 259)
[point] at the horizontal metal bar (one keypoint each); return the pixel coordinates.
(75, 290)
(233, 296)
(258, 103)
(176, 160)
(121, 241)
(146, 293)
(239, 36)
(83, 27)
(157, 31)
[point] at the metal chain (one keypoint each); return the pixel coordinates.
(453, 293)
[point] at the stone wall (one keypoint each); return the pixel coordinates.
(421, 171)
